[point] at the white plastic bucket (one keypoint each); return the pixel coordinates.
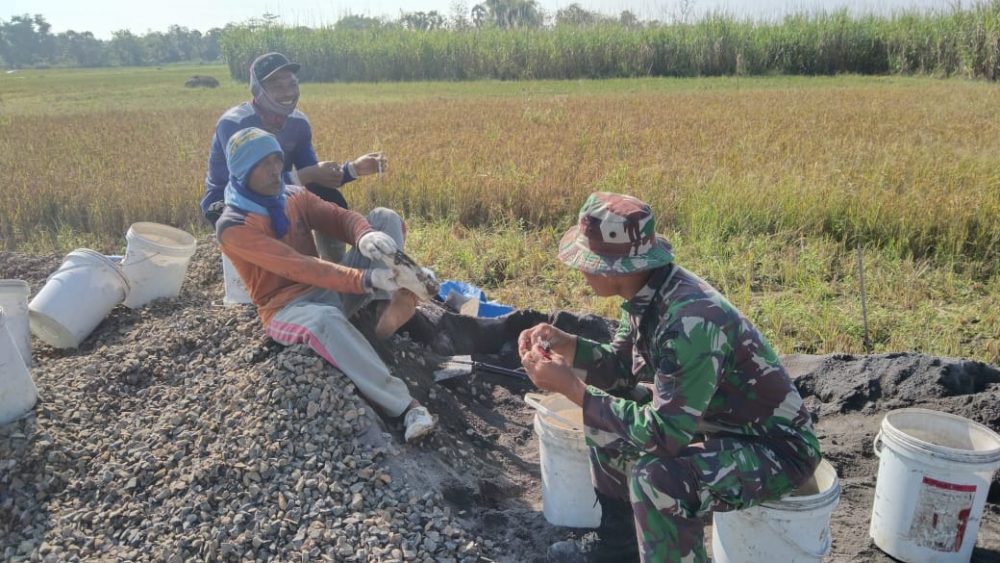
(76, 298)
(14, 302)
(17, 390)
(793, 529)
(156, 260)
(236, 290)
(568, 497)
(934, 475)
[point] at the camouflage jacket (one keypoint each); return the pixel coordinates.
(713, 373)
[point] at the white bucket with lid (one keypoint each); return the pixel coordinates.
(792, 529)
(76, 298)
(156, 260)
(934, 475)
(17, 390)
(14, 301)
(236, 290)
(568, 497)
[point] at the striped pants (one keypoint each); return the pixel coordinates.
(320, 319)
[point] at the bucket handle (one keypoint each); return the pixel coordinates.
(877, 445)
(534, 400)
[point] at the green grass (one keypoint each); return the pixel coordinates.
(802, 292)
(763, 184)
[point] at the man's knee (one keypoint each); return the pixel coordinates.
(389, 222)
(382, 217)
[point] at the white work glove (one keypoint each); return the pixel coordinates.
(429, 273)
(407, 278)
(377, 246)
(384, 279)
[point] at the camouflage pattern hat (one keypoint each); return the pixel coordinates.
(616, 235)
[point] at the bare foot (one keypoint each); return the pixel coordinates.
(399, 310)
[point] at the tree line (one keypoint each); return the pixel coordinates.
(28, 41)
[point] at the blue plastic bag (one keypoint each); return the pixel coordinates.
(487, 309)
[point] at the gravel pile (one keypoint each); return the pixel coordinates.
(178, 433)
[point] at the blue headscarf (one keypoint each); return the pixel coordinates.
(245, 149)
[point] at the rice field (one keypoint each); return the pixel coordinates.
(766, 185)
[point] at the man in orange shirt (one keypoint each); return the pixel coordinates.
(266, 231)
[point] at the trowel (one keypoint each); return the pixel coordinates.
(459, 366)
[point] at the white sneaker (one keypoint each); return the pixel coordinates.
(418, 422)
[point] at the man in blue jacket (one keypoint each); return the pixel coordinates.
(275, 89)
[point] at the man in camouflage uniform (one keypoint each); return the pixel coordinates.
(721, 427)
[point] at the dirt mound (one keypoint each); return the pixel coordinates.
(179, 431)
(845, 384)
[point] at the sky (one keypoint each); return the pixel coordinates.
(102, 17)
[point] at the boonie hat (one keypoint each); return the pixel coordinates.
(264, 66)
(616, 234)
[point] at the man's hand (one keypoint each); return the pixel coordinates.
(370, 164)
(377, 246)
(549, 371)
(384, 279)
(215, 211)
(327, 174)
(560, 343)
(408, 278)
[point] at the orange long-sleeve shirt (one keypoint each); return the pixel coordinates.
(277, 271)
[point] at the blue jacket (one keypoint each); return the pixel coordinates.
(295, 139)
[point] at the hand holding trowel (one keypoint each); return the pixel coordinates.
(421, 281)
